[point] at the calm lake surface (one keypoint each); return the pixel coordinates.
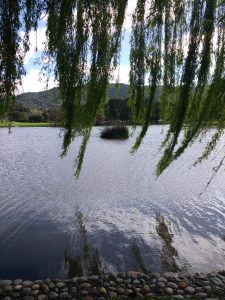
(117, 216)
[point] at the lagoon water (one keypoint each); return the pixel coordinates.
(117, 216)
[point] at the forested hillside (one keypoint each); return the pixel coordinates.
(49, 99)
(45, 106)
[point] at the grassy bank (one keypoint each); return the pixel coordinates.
(27, 124)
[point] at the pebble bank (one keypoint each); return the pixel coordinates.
(123, 286)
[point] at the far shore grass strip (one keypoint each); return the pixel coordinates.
(27, 124)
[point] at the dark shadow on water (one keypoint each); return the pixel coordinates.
(137, 255)
(169, 255)
(89, 261)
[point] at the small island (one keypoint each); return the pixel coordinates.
(115, 133)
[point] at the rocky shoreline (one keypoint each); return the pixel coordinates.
(124, 286)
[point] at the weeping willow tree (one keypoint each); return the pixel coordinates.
(176, 45)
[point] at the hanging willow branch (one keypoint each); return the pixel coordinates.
(177, 50)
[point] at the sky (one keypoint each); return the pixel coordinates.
(34, 82)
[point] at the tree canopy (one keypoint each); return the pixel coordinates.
(175, 44)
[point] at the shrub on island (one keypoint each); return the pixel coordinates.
(115, 133)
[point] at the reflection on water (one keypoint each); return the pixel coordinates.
(137, 256)
(117, 216)
(169, 253)
(89, 261)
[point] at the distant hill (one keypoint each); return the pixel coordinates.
(49, 99)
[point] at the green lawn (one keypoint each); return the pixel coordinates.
(27, 124)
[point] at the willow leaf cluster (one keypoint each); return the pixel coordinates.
(177, 52)
(184, 56)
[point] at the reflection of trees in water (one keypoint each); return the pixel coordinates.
(89, 261)
(169, 253)
(135, 249)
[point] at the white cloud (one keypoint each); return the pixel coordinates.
(129, 11)
(34, 82)
(121, 74)
(37, 41)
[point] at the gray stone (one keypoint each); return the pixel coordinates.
(201, 295)
(136, 281)
(52, 285)
(121, 291)
(104, 277)
(199, 289)
(102, 290)
(36, 287)
(216, 281)
(47, 281)
(182, 284)
(221, 277)
(27, 283)
(146, 288)
(128, 292)
(169, 291)
(5, 283)
(127, 281)
(112, 294)
(150, 295)
(160, 284)
(17, 287)
(170, 275)
(172, 285)
(61, 284)
(186, 281)
(39, 281)
(140, 296)
(145, 277)
(119, 280)
(178, 297)
(180, 292)
(189, 290)
(156, 275)
(207, 288)
(64, 295)
(34, 293)
(53, 295)
(202, 276)
(93, 278)
(84, 293)
(85, 285)
(45, 288)
(205, 282)
(162, 279)
(42, 297)
(17, 281)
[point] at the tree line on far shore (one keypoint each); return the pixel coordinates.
(116, 110)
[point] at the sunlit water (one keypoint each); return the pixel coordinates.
(117, 216)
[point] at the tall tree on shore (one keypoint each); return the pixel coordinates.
(177, 44)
